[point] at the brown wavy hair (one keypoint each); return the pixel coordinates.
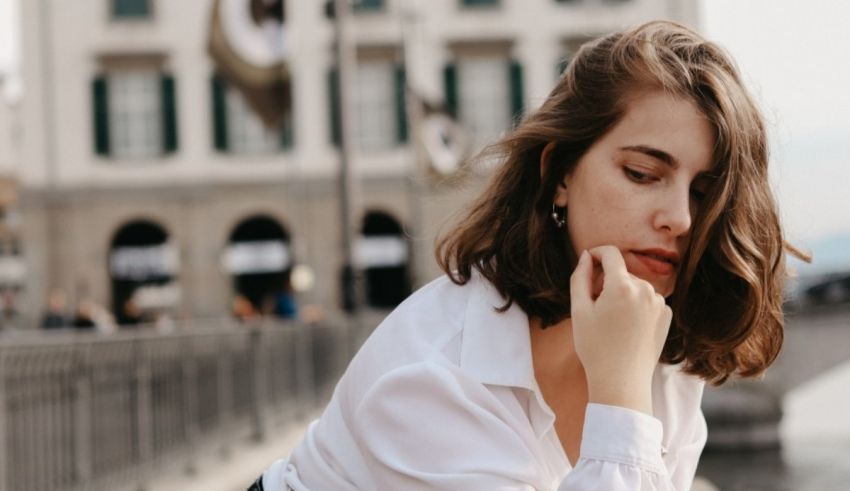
(727, 303)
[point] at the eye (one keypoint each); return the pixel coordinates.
(638, 176)
(699, 189)
(698, 195)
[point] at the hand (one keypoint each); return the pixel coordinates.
(618, 335)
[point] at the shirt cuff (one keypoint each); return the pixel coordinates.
(621, 435)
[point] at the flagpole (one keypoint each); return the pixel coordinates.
(349, 197)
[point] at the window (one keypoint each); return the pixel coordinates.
(483, 89)
(237, 128)
(132, 9)
(375, 106)
(379, 105)
(569, 47)
(134, 114)
(485, 92)
(247, 133)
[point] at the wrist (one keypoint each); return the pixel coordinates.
(636, 396)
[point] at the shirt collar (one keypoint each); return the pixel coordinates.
(496, 346)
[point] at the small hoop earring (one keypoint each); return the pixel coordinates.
(559, 219)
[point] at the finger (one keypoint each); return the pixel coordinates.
(613, 264)
(581, 282)
(598, 279)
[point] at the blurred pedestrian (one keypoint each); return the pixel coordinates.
(56, 314)
(84, 316)
(243, 310)
(131, 314)
(285, 305)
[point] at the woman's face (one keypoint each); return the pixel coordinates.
(640, 185)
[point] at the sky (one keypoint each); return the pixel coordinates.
(787, 51)
(794, 59)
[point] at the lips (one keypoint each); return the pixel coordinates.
(658, 261)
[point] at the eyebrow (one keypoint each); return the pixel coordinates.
(663, 156)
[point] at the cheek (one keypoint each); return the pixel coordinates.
(605, 215)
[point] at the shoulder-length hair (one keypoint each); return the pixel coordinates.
(727, 302)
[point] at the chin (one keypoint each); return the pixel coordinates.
(665, 291)
(662, 288)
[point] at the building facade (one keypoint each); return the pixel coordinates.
(142, 170)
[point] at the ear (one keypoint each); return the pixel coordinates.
(561, 191)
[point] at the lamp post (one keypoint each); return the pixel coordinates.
(414, 113)
(349, 196)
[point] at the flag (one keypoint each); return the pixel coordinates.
(443, 138)
(247, 45)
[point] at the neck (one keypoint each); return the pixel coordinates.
(553, 351)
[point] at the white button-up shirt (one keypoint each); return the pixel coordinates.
(443, 396)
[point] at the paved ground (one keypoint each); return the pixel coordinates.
(236, 473)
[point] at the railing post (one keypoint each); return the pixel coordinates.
(259, 378)
(144, 421)
(4, 443)
(82, 416)
(190, 402)
(224, 377)
(304, 379)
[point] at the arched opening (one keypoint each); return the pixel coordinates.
(383, 254)
(142, 267)
(259, 259)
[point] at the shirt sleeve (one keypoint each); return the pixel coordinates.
(427, 427)
(621, 450)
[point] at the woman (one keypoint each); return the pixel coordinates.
(627, 250)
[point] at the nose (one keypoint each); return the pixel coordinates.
(674, 216)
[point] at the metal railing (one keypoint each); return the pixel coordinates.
(87, 411)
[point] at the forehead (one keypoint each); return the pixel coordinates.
(672, 125)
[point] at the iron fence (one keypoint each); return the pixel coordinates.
(88, 411)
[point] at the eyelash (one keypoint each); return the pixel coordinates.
(643, 178)
(638, 177)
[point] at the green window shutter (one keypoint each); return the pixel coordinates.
(450, 86)
(287, 136)
(219, 110)
(333, 104)
(131, 8)
(100, 115)
(401, 104)
(562, 66)
(480, 3)
(516, 91)
(368, 5)
(169, 114)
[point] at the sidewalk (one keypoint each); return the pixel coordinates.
(245, 464)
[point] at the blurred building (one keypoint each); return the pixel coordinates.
(142, 170)
(12, 268)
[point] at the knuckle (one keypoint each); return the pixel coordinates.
(646, 290)
(620, 284)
